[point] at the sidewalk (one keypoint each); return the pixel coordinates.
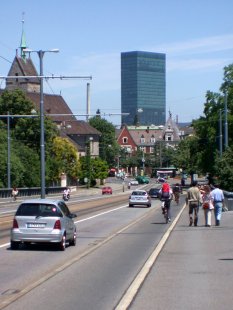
(194, 269)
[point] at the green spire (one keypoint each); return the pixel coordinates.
(23, 44)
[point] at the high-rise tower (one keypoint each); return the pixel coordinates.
(143, 88)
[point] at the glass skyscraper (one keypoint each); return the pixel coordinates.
(143, 88)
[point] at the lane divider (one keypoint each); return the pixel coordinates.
(72, 261)
(133, 289)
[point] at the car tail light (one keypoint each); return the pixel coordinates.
(15, 224)
(57, 225)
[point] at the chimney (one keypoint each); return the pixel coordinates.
(88, 102)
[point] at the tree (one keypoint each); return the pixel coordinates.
(186, 155)
(204, 146)
(16, 103)
(109, 149)
(95, 168)
(25, 170)
(65, 155)
(224, 171)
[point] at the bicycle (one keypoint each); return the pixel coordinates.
(167, 210)
(177, 197)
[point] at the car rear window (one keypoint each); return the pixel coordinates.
(137, 193)
(27, 209)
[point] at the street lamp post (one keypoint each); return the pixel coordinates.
(226, 121)
(8, 152)
(42, 146)
(89, 162)
(220, 132)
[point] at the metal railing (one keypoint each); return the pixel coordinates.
(33, 191)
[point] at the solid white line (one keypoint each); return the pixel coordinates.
(86, 219)
(130, 294)
(4, 245)
(91, 217)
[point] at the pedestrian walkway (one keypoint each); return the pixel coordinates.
(193, 271)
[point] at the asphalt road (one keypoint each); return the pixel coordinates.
(112, 247)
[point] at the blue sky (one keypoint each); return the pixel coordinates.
(195, 35)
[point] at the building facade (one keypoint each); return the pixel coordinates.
(143, 88)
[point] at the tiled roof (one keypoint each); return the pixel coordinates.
(26, 66)
(147, 135)
(55, 104)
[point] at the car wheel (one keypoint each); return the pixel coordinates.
(148, 206)
(62, 243)
(130, 206)
(73, 241)
(14, 245)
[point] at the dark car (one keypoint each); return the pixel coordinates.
(154, 192)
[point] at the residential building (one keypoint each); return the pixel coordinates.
(146, 138)
(143, 88)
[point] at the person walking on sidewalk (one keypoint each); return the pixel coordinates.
(207, 205)
(218, 200)
(193, 200)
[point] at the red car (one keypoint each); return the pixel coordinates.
(106, 190)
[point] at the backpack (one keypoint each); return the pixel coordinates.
(166, 187)
(165, 195)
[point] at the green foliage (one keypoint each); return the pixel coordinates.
(25, 168)
(201, 153)
(95, 168)
(109, 149)
(25, 145)
(224, 169)
(65, 156)
(27, 130)
(15, 102)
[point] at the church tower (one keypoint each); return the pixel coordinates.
(23, 66)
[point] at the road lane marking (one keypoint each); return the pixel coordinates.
(133, 289)
(79, 221)
(91, 217)
(30, 287)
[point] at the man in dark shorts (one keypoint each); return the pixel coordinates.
(193, 200)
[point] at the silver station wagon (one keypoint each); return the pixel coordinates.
(43, 221)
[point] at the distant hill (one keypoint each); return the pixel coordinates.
(186, 124)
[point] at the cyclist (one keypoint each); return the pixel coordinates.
(166, 195)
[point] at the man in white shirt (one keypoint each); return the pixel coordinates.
(218, 201)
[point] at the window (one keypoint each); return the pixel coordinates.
(64, 208)
(151, 150)
(125, 140)
(152, 139)
(142, 139)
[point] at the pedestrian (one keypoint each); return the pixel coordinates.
(176, 191)
(207, 204)
(193, 200)
(218, 201)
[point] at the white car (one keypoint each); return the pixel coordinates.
(139, 197)
(134, 182)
